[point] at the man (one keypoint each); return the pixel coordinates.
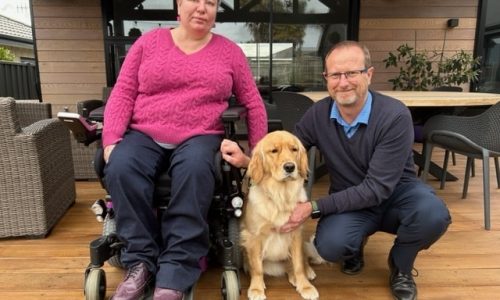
(366, 140)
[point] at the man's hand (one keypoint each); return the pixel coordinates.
(299, 215)
(107, 152)
(232, 153)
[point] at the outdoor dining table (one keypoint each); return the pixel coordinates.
(430, 100)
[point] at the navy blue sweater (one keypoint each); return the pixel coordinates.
(365, 169)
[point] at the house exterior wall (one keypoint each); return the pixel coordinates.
(386, 24)
(70, 47)
(69, 40)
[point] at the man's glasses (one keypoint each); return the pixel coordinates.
(348, 75)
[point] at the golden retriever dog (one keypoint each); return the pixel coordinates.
(277, 170)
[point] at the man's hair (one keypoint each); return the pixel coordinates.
(349, 43)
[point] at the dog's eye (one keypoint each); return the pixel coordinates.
(295, 149)
(274, 150)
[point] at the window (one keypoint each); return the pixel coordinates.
(488, 47)
(288, 54)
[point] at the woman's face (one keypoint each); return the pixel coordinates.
(197, 15)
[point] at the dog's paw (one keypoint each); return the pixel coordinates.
(311, 275)
(256, 289)
(308, 292)
(256, 294)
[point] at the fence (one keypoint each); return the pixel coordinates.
(18, 80)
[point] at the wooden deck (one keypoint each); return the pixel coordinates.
(464, 264)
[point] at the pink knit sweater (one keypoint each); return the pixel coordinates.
(171, 96)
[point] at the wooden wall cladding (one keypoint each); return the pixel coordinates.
(70, 49)
(386, 24)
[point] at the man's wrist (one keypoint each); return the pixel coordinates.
(315, 213)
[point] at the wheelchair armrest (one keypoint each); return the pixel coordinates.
(233, 114)
(84, 131)
(85, 107)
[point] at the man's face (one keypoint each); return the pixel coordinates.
(351, 86)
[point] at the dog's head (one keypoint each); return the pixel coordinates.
(279, 155)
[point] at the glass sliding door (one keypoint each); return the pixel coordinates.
(284, 40)
(489, 47)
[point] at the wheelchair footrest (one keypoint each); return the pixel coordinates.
(103, 248)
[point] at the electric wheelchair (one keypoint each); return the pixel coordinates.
(225, 210)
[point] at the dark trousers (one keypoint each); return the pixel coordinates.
(413, 213)
(173, 246)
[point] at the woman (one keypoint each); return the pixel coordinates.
(164, 112)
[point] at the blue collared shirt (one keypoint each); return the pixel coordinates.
(362, 118)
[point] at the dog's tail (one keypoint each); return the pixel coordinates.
(311, 252)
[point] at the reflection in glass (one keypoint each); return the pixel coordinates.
(489, 79)
(490, 72)
(302, 33)
(157, 4)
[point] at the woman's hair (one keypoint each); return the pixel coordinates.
(349, 43)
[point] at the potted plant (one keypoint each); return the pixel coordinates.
(422, 71)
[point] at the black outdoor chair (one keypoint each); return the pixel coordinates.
(421, 115)
(475, 137)
(290, 107)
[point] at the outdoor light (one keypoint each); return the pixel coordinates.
(452, 23)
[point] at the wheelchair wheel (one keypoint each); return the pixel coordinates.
(189, 294)
(230, 286)
(234, 237)
(109, 227)
(95, 285)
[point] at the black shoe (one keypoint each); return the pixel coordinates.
(403, 286)
(354, 265)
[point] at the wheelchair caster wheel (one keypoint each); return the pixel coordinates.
(230, 286)
(95, 285)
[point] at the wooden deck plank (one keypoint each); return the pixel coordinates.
(463, 264)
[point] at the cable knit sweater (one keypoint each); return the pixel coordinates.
(172, 96)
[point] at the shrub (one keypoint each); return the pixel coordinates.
(422, 71)
(6, 54)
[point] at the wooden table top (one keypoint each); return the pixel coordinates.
(429, 98)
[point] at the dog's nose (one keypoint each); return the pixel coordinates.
(289, 167)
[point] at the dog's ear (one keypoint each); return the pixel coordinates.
(256, 166)
(303, 161)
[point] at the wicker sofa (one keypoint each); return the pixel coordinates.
(36, 169)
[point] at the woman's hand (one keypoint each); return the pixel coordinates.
(232, 153)
(107, 152)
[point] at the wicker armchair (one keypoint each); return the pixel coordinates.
(475, 137)
(31, 111)
(36, 170)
